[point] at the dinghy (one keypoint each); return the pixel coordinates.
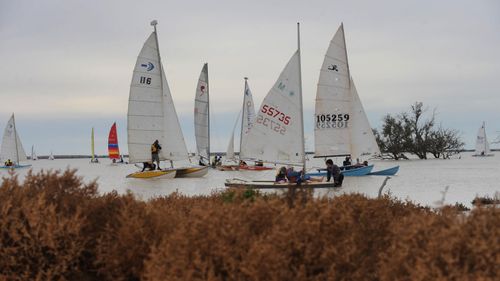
(341, 125)
(33, 153)
(277, 135)
(12, 148)
(386, 172)
(113, 148)
(151, 116)
(482, 144)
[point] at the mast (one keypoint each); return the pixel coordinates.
(208, 115)
(301, 105)
(15, 138)
(243, 112)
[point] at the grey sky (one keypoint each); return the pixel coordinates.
(66, 65)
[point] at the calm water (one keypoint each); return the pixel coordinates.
(419, 181)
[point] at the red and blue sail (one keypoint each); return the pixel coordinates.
(113, 150)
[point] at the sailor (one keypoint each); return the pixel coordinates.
(333, 171)
(281, 176)
(147, 165)
(155, 153)
(347, 162)
(9, 163)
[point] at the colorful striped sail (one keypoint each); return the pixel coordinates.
(113, 150)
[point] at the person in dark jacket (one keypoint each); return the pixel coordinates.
(155, 153)
(333, 171)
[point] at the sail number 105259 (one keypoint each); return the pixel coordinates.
(324, 121)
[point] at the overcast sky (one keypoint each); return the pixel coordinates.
(66, 65)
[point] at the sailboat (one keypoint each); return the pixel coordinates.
(33, 153)
(277, 135)
(51, 156)
(341, 125)
(151, 116)
(113, 149)
(202, 118)
(93, 158)
(482, 144)
(230, 156)
(247, 120)
(11, 149)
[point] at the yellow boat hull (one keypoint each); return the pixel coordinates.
(155, 174)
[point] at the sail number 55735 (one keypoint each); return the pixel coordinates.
(273, 112)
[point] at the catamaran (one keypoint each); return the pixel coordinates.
(12, 149)
(113, 148)
(277, 135)
(341, 125)
(202, 118)
(151, 116)
(93, 158)
(482, 144)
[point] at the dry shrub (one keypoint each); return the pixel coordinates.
(54, 227)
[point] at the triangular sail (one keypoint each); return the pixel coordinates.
(363, 140)
(113, 149)
(92, 152)
(332, 133)
(201, 115)
(11, 144)
(230, 146)
(247, 118)
(33, 153)
(151, 112)
(482, 145)
(277, 133)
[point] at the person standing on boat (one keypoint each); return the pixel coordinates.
(155, 153)
(333, 171)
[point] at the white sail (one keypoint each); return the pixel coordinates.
(482, 145)
(151, 112)
(247, 118)
(362, 137)
(33, 153)
(201, 115)
(277, 133)
(11, 144)
(332, 133)
(230, 146)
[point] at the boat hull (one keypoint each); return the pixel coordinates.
(255, 168)
(16, 166)
(356, 172)
(239, 183)
(386, 172)
(191, 172)
(155, 174)
(485, 155)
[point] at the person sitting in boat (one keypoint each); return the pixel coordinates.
(333, 171)
(259, 163)
(244, 164)
(281, 176)
(347, 161)
(155, 153)
(9, 163)
(149, 166)
(299, 177)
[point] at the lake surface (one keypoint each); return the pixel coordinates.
(421, 181)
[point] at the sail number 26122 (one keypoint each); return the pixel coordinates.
(324, 121)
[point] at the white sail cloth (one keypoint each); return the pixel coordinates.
(201, 115)
(276, 135)
(151, 112)
(482, 145)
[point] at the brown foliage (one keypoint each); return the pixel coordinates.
(54, 227)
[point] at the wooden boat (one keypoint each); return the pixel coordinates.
(12, 148)
(152, 116)
(240, 183)
(157, 174)
(386, 172)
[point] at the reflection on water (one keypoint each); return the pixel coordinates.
(421, 181)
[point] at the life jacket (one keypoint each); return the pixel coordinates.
(154, 149)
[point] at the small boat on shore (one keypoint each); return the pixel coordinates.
(240, 183)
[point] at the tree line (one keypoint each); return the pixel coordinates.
(412, 132)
